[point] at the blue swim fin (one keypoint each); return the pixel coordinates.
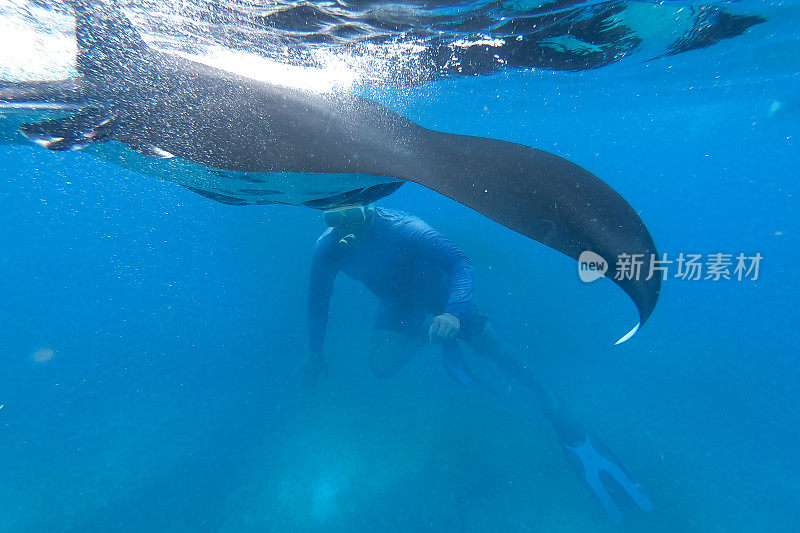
(598, 467)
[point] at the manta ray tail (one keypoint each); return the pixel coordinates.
(549, 199)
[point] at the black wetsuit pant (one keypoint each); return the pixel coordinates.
(401, 330)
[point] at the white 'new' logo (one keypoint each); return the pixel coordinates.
(591, 266)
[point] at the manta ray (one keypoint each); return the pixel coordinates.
(246, 142)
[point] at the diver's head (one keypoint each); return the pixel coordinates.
(351, 221)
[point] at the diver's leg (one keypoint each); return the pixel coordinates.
(395, 339)
(592, 462)
(390, 351)
(488, 344)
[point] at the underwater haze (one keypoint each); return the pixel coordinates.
(151, 337)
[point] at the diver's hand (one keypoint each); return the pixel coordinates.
(445, 327)
(314, 367)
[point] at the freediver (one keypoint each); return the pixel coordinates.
(425, 287)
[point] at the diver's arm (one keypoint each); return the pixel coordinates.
(441, 251)
(460, 270)
(429, 244)
(319, 297)
(320, 289)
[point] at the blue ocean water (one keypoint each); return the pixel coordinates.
(170, 400)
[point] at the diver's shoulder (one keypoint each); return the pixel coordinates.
(397, 217)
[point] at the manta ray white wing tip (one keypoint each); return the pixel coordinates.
(159, 153)
(628, 335)
(46, 142)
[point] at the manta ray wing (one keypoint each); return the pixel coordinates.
(241, 141)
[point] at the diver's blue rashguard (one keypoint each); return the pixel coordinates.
(412, 268)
